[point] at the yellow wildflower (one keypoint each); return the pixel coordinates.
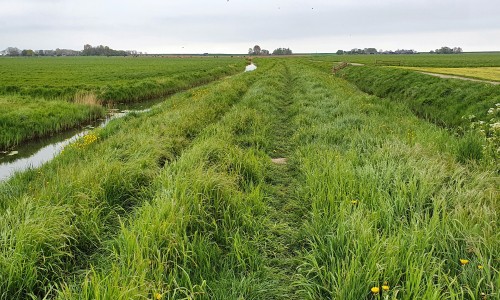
(375, 289)
(480, 267)
(354, 202)
(385, 287)
(158, 296)
(463, 262)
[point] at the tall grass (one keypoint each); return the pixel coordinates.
(23, 118)
(389, 203)
(184, 202)
(54, 219)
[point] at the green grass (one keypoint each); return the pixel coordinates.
(184, 201)
(482, 73)
(74, 203)
(117, 79)
(421, 60)
(25, 118)
(46, 95)
(447, 102)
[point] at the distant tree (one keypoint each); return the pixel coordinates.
(250, 51)
(256, 50)
(340, 52)
(12, 51)
(27, 52)
(264, 52)
(282, 51)
(448, 50)
(101, 50)
(370, 51)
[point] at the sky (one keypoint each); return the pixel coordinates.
(233, 26)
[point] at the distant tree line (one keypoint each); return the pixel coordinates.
(257, 50)
(447, 50)
(375, 51)
(88, 50)
(101, 50)
(282, 51)
(442, 50)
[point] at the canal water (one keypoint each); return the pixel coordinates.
(33, 154)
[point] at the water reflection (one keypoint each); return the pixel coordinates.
(34, 154)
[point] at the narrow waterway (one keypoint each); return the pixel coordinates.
(33, 154)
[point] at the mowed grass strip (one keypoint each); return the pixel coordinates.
(391, 208)
(54, 219)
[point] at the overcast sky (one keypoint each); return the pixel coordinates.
(222, 26)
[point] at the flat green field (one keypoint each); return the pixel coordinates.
(62, 86)
(282, 183)
(484, 73)
(421, 60)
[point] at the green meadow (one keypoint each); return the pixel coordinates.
(419, 60)
(287, 182)
(44, 95)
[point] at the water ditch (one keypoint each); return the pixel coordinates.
(33, 154)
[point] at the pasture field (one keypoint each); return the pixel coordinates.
(44, 95)
(186, 202)
(485, 73)
(421, 60)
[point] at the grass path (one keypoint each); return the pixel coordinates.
(284, 210)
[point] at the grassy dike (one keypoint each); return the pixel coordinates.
(370, 194)
(443, 101)
(54, 219)
(168, 209)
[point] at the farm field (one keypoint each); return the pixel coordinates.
(41, 96)
(485, 73)
(463, 60)
(282, 183)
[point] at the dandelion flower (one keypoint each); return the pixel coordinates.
(480, 267)
(463, 262)
(375, 289)
(385, 287)
(158, 296)
(354, 202)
